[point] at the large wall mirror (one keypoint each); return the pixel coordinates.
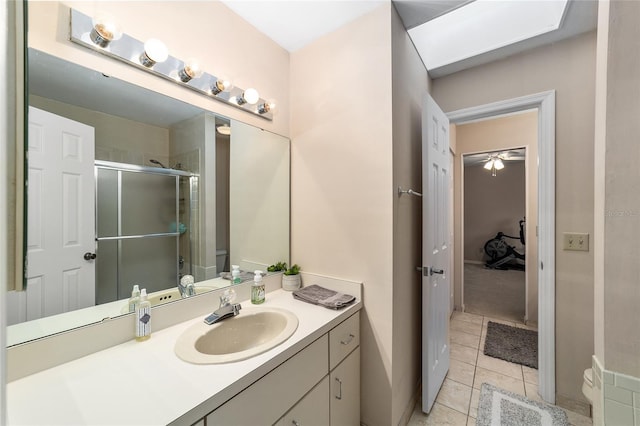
(127, 186)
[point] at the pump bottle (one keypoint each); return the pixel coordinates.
(143, 318)
(257, 289)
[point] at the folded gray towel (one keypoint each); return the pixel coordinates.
(323, 297)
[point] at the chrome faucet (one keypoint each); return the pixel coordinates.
(186, 287)
(227, 311)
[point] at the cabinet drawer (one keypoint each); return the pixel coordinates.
(265, 401)
(343, 339)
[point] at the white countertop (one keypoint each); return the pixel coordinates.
(139, 383)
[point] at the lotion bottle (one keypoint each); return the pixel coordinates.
(134, 300)
(257, 289)
(143, 318)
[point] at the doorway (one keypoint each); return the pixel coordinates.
(493, 223)
(544, 104)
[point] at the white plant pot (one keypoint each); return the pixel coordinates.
(290, 282)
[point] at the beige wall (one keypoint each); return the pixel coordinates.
(492, 204)
(410, 83)
(224, 43)
(621, 200)
(569, 68)
(341, 181)
(116, 138)
(511, 131)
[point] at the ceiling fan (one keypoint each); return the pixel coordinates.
(495, 160)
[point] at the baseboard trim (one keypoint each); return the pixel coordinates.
(580, 407)
(411, 406)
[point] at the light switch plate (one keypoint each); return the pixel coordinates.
(575, 241)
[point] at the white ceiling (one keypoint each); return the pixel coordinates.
(295, 23)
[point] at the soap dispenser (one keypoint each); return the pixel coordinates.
(143, 318)
(235, 274)
(257, 289)
(134, 300)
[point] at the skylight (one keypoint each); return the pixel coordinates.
(483, 26)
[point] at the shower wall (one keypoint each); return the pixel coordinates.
(192, 144)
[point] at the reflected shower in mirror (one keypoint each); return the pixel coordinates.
(151, 189)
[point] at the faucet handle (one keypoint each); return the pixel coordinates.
(228, 297)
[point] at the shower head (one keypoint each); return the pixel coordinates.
(153, 161)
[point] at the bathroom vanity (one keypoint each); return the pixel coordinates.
(313, 375)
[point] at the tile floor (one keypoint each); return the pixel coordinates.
(457, 402)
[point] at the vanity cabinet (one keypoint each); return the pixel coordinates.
(320, 385)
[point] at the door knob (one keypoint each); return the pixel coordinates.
(89, 256)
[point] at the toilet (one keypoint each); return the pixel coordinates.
(587, 385)
(221, 261)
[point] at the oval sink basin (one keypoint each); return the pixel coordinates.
(252, 332)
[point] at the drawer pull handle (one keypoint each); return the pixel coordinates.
(339, 395)
(348, 339)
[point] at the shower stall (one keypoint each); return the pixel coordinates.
(143, 223)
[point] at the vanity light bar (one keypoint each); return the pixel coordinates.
(129, 50)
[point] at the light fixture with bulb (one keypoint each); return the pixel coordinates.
(494, 164)
(105, 29)
(191, 69)
(269, 106)
(224, 129)
(154, 52)
(249, 96)
(221, 85)
(102, 34)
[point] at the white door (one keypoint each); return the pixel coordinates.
(435, 250)
(60, 215)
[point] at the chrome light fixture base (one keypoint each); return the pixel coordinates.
(129, 50)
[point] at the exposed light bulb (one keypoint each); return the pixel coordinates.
(269, 106)
(190, 70)
(154, 51)
(221, 85)
(105, 30)
(249, 96)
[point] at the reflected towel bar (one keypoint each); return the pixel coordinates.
(408, 191)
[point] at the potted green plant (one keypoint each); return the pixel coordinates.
(291, 278)
(277, 267)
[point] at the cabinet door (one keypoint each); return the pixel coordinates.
(345, 391)
(312, 410)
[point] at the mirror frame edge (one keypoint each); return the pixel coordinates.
(18, 128)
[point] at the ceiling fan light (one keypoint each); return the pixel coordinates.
(498, 164)
(488, 165)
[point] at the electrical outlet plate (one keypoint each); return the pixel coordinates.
(575, 241)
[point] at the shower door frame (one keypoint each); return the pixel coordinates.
(125, 167)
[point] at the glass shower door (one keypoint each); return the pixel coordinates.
(138, 231)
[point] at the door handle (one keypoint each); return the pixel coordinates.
(427, 271)
(89, 256)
